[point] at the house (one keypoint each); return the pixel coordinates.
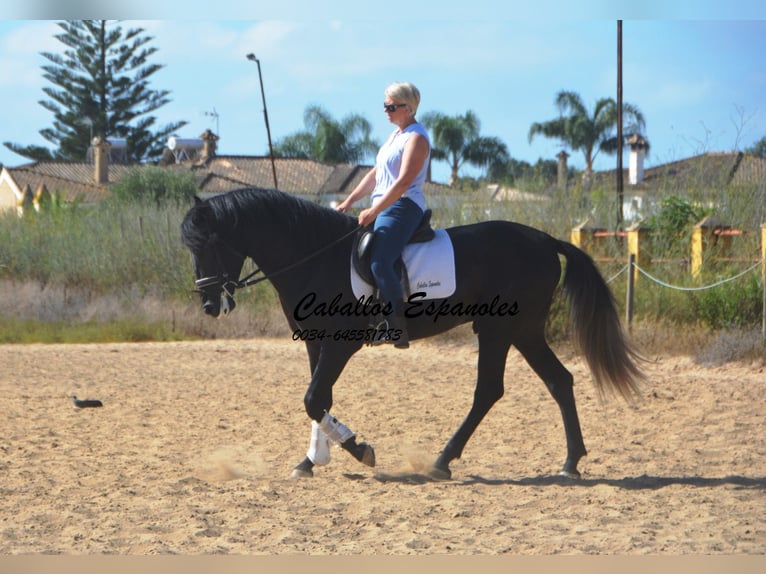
(704, 174)
(26, 186)
(30, 185)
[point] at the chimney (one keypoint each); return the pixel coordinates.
(638, 146)
(562, 172)
(101, 160)
(209, 145)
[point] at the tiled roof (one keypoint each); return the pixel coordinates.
(75, 180)
(72, 181)
(712, 169)
(300, 176)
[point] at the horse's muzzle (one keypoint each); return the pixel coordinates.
(212, 308)
(225, 304)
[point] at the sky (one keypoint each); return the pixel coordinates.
(696, 71)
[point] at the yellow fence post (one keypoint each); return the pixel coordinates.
(637, 235)
(763, 279)
(696, 250)
(702, 238)
(583, 235)
(575, 237)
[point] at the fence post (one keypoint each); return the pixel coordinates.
(763, 279)
(583, 235)
(702, 235)
(629, 291)
(637, 248)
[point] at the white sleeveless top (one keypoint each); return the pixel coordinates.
(388, 164)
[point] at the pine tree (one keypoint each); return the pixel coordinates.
(101, 87)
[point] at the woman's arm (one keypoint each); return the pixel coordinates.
(363, 188)
(413, 157)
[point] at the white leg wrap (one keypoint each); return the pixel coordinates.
(335, 430)
(319, 448)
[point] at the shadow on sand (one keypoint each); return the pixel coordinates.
(643, 482)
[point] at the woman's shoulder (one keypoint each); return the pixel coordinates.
(417, 128)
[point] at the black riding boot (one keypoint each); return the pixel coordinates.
(398, 325)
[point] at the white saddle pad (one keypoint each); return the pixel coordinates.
(430, 269)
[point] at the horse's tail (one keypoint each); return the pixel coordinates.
(596, 326)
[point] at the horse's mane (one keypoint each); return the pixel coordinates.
(252, 208)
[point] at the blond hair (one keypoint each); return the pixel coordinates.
(405, 93)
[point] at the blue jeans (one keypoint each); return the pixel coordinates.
(393, 229)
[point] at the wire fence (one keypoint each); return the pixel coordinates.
(630, 292)
(704, 287)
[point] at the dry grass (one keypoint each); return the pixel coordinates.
(41, 305)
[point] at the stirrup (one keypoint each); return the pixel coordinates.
(401, 342)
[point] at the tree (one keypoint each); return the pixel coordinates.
(456, 140)
(589, 133)
(758, 148)
(326, 139)
(100, 86)
(673, 221)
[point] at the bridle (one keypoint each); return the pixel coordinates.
(228, 285)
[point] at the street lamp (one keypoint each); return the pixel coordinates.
(266, 118)
(619, 124)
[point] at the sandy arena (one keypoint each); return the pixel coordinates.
(193, 449)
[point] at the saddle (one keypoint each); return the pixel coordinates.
(362, 249)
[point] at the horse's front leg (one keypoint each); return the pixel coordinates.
(328, 362)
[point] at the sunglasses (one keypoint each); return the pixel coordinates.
(391, 108)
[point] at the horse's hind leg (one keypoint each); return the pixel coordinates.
(493, 351)
(559, 382)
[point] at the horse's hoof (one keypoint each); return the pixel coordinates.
(301, 473)
(575, 474)
(368, 455)
(362, 452)
(303, 470)
(438, 473)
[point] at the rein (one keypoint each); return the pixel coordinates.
(251, 279)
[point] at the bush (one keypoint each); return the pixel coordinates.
(735, 304)
(673, 223)
(155, 185)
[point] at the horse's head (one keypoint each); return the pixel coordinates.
(217, 264)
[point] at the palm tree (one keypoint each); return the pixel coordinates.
(456, 140)
(589, 133)
(326, 139)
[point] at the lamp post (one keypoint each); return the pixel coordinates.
(266, 118)
(620, 195)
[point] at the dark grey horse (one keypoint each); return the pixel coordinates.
(507, 276)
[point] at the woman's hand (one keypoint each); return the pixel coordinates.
(367, 217)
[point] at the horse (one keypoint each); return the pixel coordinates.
(507, 275)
